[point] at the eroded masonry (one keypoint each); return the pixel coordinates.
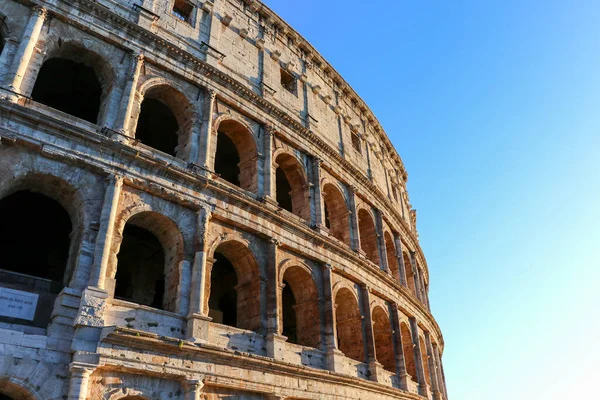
(195, 205)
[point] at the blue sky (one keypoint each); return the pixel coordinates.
(494, 108)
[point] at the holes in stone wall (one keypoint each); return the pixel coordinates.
(236, 155)
(356, 143)
(183, 9)
(288, 81)
(157, 126)
(140, 272)
(384, 342)
(291, 187)
(408, 351)
(300, 316)
(69, 86)
(348, 322)
(35, 236)
(288, 309)
(368, 236)
(223, 297)
(336, 213)
(390, 249)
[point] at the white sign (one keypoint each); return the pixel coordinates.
(17, 304)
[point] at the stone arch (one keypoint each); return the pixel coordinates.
(348, 322)
(11, 390)
(384, 341)
(291, 184)
(164, 117)
(336, 212)
(4, 32)
(425, 359)
(75, 80)
(236, 153)
(410, 274)
(390, 250)
(233, 290)
(142, 230)
(368, 235)
(300, 319)
(408, 351)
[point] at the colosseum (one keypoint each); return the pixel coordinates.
(195, 205)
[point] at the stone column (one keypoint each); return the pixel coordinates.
(25, 50)
(423, 387)
(78, 380)
(123, 122)
(413, 263)
(441, 376)
(269, 167)
(374, 366)
(334, 356)
(400, 258)
(318, 196)
(198, 320)
(104, 238)
(275, 340)
(205, 150)
(193, 389)
(403, 376)
(437, 395)
(381, 241)
(353, 216)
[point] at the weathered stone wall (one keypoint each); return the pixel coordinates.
(312, 271)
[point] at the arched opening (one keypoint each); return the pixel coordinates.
(165, 120)
(2, 39)
(236, 155)
(336, 213)
(425, 359)
(233, 294)
(291, 188)
(410, 275)
(69, 86)
(148, 262)
(390, 249)
(35, 236)
(368, 236)
(11, 391)
(348, 321)
(300, 308)
(384, 342)
(408, 351)
(4, 397)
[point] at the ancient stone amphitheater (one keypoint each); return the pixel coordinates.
(195, 205)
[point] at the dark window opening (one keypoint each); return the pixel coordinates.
(284, 190)
(157, 126)
(34, 236)
(3, 397)
(288, 81)
(288, 302)
(1, 48)
(227, 159)
(140, 270)
(183, 10)
(356, 142)
(327, 216)
(70, 87)
(223, 295)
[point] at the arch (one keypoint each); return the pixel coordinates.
(425, 359)
(233, 291)
(291, 185)
(11, 390)
(236, 155)
(74, 80)
(154, 283)
(165, 118)
(348, 321)
(3, 32)
(408, 351)
(299, 310)
(384, 342)
(368, 235)
(390, 249)
(410, 274)
(336, 212)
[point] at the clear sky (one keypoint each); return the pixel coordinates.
(494, 108)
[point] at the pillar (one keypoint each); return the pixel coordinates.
(423, 388)
(25, 50)
(381, 241)
(197, 325)
(403, 376)
(417, 280)
(400, 260)
(441, 376)
(123, 122)
(269, 167)
(78, 380)
(319, 207)
(369, 334)
(353, 216)
(275, 340)
(205, 151)
(334, 356)
(437, 395)
(193, 389)
(105, 231)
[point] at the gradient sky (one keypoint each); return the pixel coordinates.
(494, 108)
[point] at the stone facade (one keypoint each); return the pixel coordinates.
(195, 205)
